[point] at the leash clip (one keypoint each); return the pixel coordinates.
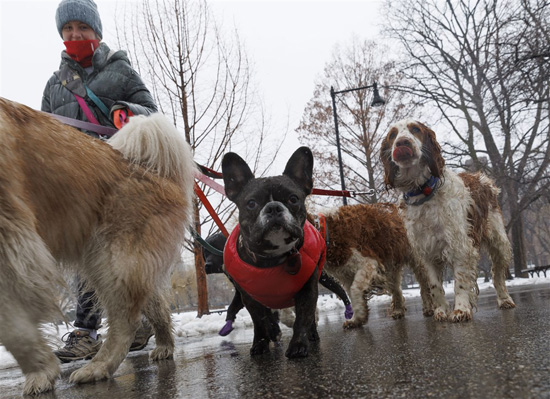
(368, 193)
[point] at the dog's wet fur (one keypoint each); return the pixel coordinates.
(115, 213)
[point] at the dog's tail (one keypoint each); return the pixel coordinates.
(154, 143)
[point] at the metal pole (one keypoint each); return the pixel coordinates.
(342, 182)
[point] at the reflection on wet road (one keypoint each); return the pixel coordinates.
(501, 354)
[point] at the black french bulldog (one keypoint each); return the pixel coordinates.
(274, 257)
(213, 263)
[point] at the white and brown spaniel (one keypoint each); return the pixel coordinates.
(367, 250)
(448, 218)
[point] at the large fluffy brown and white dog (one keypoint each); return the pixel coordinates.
(367, 250)
(448, 217)
(116, 214)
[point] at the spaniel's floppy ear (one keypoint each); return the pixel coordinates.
(390, 168)
(431, 151)
(300, 169)
(236, 173)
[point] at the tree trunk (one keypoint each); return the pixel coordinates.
(202, 289)
(518, 247)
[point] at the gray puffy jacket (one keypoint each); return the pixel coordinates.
(112, 79)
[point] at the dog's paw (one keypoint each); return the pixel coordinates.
(93, 371)
(260, 347)
(440, 315)
(313, 336)
(161, 353)
(427, 312)
(398, 314)
(36, 383)
(226, 329)
(348, 314)
(460, 315)
(274, 332)
(507, 304)
(353, 323)
(297, 349)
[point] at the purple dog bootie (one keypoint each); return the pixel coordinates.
(349, 312)
(227, 328)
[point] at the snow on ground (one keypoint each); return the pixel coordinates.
(188, 325)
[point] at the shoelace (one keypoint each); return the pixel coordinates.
(71, 340)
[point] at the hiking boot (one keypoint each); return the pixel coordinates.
(142, 336)
(79, 345)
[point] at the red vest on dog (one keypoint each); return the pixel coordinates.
(273, 286)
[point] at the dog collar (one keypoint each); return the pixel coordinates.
(428, 189)
(291, 259)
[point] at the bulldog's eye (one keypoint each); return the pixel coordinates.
(392, 135)
(415, 129)
(251, 204)
(293, 199)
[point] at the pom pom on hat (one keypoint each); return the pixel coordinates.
(78, 10)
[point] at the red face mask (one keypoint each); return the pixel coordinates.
(82, 51)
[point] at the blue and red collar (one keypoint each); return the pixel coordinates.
(428, 189)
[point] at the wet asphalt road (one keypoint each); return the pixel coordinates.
(501, 354)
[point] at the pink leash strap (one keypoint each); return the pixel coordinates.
(92, 127)
(86, 109)
(209, 182)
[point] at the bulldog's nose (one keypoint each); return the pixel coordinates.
(274, 210)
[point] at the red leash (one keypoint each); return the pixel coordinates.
(204, 176)
(208, 173)
(211, 210)
(338, 193)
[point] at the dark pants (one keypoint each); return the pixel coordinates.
(88, 315)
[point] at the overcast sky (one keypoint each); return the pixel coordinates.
(289, 42)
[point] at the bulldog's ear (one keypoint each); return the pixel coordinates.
(300, 168)
(236, 174)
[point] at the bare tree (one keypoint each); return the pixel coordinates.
(537, 233)
(482, 65)
(361, 126)
(200, 75)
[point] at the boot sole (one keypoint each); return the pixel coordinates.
(140, 347)
(63, 359)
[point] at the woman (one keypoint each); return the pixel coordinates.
(89, 65)
(97, 85)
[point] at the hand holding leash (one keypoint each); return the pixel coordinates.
(121, 117)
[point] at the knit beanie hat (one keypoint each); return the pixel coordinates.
(78, 10)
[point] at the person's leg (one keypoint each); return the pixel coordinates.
(143, 334)
(88, 315)
(84, 341)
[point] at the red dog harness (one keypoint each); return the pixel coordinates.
(273, 286)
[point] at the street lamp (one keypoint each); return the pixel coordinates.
(376, 102)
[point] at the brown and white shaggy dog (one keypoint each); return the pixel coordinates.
(116, 214)
(448, 217)
(366, 251)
